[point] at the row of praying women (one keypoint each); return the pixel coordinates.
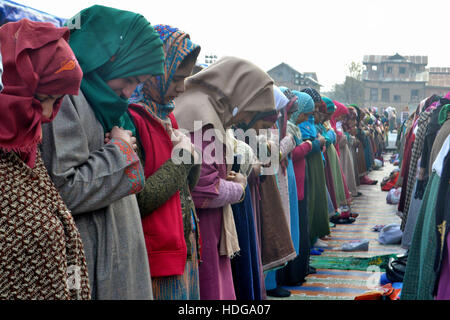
(95, 202)
(424, 140)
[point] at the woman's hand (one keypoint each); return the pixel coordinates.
(321, 140)
(238, 178)
(181, 141)
(120, 133)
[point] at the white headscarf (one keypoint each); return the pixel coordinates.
(280, 99)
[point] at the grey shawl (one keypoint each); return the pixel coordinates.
(94, 181)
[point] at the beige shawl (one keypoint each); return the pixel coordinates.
(214, 96)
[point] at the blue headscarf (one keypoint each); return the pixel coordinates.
(305, 104)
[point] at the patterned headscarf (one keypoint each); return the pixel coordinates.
(313, 93)
(177, 46)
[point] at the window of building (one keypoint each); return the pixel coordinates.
(385, 95)
(374, 94)
(397, 98)
(415, 95)
(402, 70)
(389, 70)
(374, 68)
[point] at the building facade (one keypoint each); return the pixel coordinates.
(286, 76)
(401, 81)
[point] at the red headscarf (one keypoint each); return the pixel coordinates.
(341, 110)
(36, 59)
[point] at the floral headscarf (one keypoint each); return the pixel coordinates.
(177, 46)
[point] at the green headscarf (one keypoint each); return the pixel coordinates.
(443, 114)
(330, 105)
(110, 44)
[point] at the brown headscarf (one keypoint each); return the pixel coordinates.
(212, 94)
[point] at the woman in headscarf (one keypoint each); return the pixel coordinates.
(167, 210)
(337, 117)
(41, 252)
(247, 268)
(335, 178)
(229, 92)
(347, 151)
(296, 271)
(285, 178)
(318, 221)
(98, 178)
(361, 146)
(349, 126)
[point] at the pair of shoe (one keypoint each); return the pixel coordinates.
(315, 252)
(278, 292)
(348, 214)
(340, 220)
(359, 194)
(366, 180)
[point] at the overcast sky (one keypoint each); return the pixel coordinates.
(322, 36)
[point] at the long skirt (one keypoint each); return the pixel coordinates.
(318, 221)
(296, 271)
(182, 287)
(346, 159)
(339, 188)
(361, 159)
(216, 278)
(246, 265)
(420, 276)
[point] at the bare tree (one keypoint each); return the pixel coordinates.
(352, 90)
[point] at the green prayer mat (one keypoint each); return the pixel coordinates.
(351, 263)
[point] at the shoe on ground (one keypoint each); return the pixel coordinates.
(311, 270)
(278, 292)
(366, 180)
(321, 244)
(339, 220)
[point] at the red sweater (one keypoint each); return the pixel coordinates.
(298, 160)
(163, 228)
